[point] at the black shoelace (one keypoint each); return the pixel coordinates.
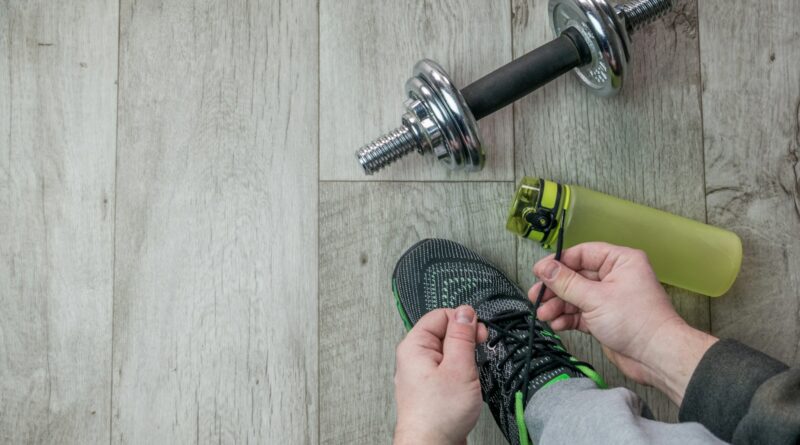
(525, 338)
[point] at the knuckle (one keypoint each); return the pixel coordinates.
(400, 349)
(439, 314)
(601, 245)
(427, 342)
(398, 380)
(435, 356)
(567, 283)
(461, 333)
(638, 255)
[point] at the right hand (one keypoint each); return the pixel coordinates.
(612, 293)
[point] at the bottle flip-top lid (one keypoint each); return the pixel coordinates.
(534, 213)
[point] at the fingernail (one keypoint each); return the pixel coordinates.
(550, 270)
(464, 315)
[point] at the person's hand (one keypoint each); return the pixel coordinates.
(437, 390)
(613, 294)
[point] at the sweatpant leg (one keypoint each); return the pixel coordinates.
(574, 411)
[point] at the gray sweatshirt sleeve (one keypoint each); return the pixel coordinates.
(744, 396)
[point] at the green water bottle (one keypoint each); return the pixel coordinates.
(684, 253)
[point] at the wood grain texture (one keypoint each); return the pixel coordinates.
(58, 68)
(367, 52)
(751, 110)
(215, 325)
(644, 145)
(359, 323)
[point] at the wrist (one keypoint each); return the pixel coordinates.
(408, 434)
(672, 356)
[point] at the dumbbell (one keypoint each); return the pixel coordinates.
(593, 40)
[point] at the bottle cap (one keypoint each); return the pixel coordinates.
(535, 209)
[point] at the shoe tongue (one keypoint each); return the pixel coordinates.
(490, 309)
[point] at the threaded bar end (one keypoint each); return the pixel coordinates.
(639, 13)
(386, 149)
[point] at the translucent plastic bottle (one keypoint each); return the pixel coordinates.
(683, 252)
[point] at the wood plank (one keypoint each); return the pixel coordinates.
(359, 323)
(367, 52)
(58, 68)
(644, 145)
(215, 325)
(751, 110)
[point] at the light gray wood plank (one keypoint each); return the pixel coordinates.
(644, 145)
(215, 320)
(58, 68)
(367, 52)
(364, 228)
(751, 110)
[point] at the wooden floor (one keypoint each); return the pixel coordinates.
(190, 253)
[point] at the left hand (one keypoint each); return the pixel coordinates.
(437, 390)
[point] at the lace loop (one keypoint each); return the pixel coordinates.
(525, 339)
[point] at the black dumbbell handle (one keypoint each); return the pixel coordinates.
(527, 73)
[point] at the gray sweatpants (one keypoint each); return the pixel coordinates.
(574, 411)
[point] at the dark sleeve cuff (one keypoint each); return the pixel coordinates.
(722, 386)
(774, 413)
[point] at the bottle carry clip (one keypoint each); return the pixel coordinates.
(541, 218)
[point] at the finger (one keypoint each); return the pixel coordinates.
(434, 322)
(570, 322)
(590, 274)
(483, 333)
(570, 308)
(459, 342)
(418, 351)
(588, 256)
(569, 285)
(551, 310)
(597, 257)
(533, 293)
(429, 331)
(565, 323)
(410, 355)
(548, 295)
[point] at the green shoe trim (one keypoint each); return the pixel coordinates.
(556, 379)
(403, 315)
(519, 411)
(592, 374)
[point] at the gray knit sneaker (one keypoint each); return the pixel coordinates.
(522, 354)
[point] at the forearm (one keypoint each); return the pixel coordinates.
(672, 357)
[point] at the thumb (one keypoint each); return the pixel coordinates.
(459, 341)
(569, 285)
